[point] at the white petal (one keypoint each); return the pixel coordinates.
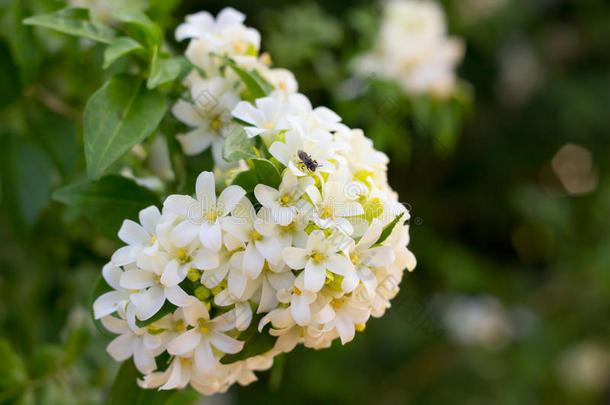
(184, 233)
(253, 262)
(148, 302)
(205, 259)
(137, 279)
(315, 274)
(378, 256)
(173, 274)
(184, 342)
(193, 312)
(149, 218)
(294, 257)
(339, 264)
(345, 329)
(300, 310)
(195, 141)
(112, 275)
(229, 198)
(204, 358)
(266, 195)
(271, 249)
(107, 303)
(205, 189)
(123, 256)
(211, 236)
(132, 233)
(247, 113)
(178, 296)
(243, 316)
(225, 343)
(185, 112)
(121, 348)
(182, 205)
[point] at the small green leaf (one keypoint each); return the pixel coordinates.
(141, 27)
(256, 342)
(387, 230)
(108, 201)
(247, 180)
(237, 145)
(117, 117)
(73, 21)
(120, 47)
(12, 370)
(256, 86)
(266, 172)
(164, 70)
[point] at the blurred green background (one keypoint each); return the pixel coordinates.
(510, 198)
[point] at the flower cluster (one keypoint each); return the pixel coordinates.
(203, 284)
(413, 49)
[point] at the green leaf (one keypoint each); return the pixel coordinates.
(237, 145)
(73, 21)
(387, 230)
(99, 287)
(141, 27)
(25, 48)
(256, 342)
(12, 370)
(266, 172)
(9, 77)
(125, 391)
(119, 47)
(247, 180)
(164, 70)
(256, 86)
(26, 180)
(117, 117)
(108, 201)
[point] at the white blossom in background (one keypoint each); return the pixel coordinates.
(413, 49)
(305, 261)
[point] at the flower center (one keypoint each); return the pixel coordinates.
(179, 325)
(286, 199)
(336, 304)
(326, 212)
(355, 258)
(153, 240)
(211, 216)
(183, 256)
(256, 236)
(317, 257)
(202, 326)
(216, 124)
(270, 126)
(296, 291)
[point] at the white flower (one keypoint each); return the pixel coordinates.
(269, 115)
(299, 298)
(202, 215)
(109, 302)
(209, 114)
(287, 153)
(138, 237)
(131, 343)
(204, 334)
(285, 202)
(318, 256)
(413, 48)
(332, 207)
(258, 248)
(202, 24)
(291, 234)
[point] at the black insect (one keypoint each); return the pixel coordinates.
(307, 161)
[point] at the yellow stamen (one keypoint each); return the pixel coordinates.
(326, 212)
(239, 47)
(286, 199)
(256, 236)
(182, 255)
(318, 257)
(153, 240)
(336, 304)
(282, 85)
(180, 325)
(216, 124)
(269, 126)
(184, 360)
(211, 216)
(360, 327)
(203, 330)
(296, 291)
(265, 58)
(355, 259)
